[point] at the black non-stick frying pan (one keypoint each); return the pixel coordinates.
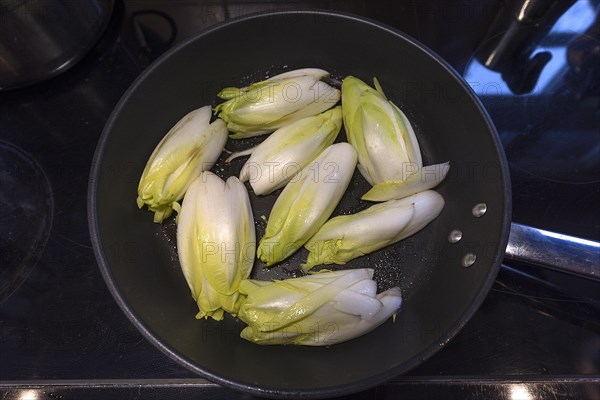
(441, 284)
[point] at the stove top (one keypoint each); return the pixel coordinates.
(536, 336)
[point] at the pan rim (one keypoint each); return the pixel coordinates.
(322, 392)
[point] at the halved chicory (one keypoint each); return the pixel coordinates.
(216, 243)
(346, 237)
(282, 155)
(306, 203)
(389, 157)
(315, 310)
(193, 145)
(275, 102)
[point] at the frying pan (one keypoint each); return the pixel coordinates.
(444, 280)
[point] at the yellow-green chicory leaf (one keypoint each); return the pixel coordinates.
(423, 179)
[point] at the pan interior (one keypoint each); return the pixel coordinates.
(139, 257)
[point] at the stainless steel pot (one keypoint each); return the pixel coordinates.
(42, 38)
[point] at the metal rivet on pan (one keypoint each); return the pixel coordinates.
(468, 260)
(455, 236)
(479, 210)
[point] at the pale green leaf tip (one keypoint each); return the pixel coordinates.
(307, 266)
(159, 216)
(176, 206)
(378, 87)
(397, 189)
(229, 93)
(237, 136)
(262, 255)
(321, 271)
(217, 315)
(379, 190)
(244, 135)
(161, 212)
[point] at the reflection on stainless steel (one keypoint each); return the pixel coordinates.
(469, 259)
(532, 10)
(520, 392)
(479, 210)
(28, 394)
(455, 236)
(511, 41)
(553, 250)
(39, 39)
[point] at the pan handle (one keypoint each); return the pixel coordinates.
(537, 247)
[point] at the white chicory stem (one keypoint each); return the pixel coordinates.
(346, 237)
(307, 202)
(193, 145)
(216, 243)
(270, 104)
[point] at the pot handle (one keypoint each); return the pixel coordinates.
(537, 247)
